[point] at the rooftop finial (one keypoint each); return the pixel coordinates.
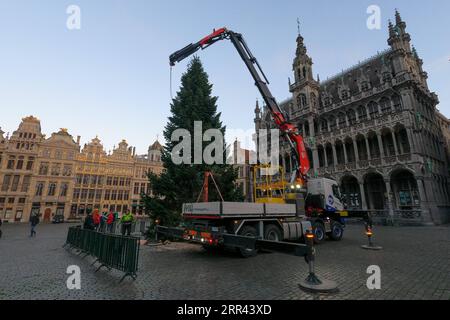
(298, 26)
(391, 28)
(257, 109)
(398, 18)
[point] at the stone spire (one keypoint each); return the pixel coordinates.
(399, 39)
(391, 30)
(301, 48)
(398, 18)
(257, 111)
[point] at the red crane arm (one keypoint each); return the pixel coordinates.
(288, 130)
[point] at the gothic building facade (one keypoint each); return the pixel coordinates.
(373, 128)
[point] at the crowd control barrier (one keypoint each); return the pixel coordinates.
(110, 250)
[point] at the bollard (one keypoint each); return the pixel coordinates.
(312, 283)
(371, 245)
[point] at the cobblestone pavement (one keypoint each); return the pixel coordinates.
(415, 264)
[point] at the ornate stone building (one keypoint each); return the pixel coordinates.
(18, 155)
(373, 128)
(52, 180)
(444, 123)
(53, 177)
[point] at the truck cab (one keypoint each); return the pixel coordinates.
(324, 193)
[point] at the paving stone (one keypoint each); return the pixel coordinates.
(414, 264)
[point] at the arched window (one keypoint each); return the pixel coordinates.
(342, 121)
(397, 102)
(39, 189)
(373, 109)
(64, 189)
(51, 189)
(332, 123)
(351, 115)
(303, 100)
(324, 125)
(362, 113)
(385, 105)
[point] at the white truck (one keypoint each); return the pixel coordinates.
(207, 222)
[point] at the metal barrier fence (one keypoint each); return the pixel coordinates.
(110, 250)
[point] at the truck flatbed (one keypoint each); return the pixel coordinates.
(237, 210)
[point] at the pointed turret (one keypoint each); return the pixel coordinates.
(391, 30)
(399, 39)
(306, 88)
(257, 110)
(398, 18)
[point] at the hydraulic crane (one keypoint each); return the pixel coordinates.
(288, 130)
(318, 199)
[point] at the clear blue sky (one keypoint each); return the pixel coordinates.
(111, 78)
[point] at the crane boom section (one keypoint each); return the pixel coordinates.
(288, 130)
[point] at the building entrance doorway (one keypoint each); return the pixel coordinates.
(47, 214)
(375, 189)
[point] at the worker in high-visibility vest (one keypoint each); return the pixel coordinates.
(127, 220)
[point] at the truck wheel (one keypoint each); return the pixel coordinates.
(319, 232)
(248, 231)
(272, 233)
(337, 231)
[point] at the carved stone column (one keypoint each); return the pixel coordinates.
(380, 144)
(355, 147)
(390, 198)
(369, 157)
(334, 155)
(363, 196)
(395, 143)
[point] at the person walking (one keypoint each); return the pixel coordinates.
(110, 222)
(127, 221)
(34, 221)
(96, 218)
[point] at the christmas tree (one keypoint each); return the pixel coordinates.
(182, 183)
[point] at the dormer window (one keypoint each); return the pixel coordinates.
(365, 86)
(302, 101)
(387, 77)
(345, 94)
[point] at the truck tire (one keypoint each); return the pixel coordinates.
(273, 233)
(337, 231)
(319, 232)
(248, 231)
